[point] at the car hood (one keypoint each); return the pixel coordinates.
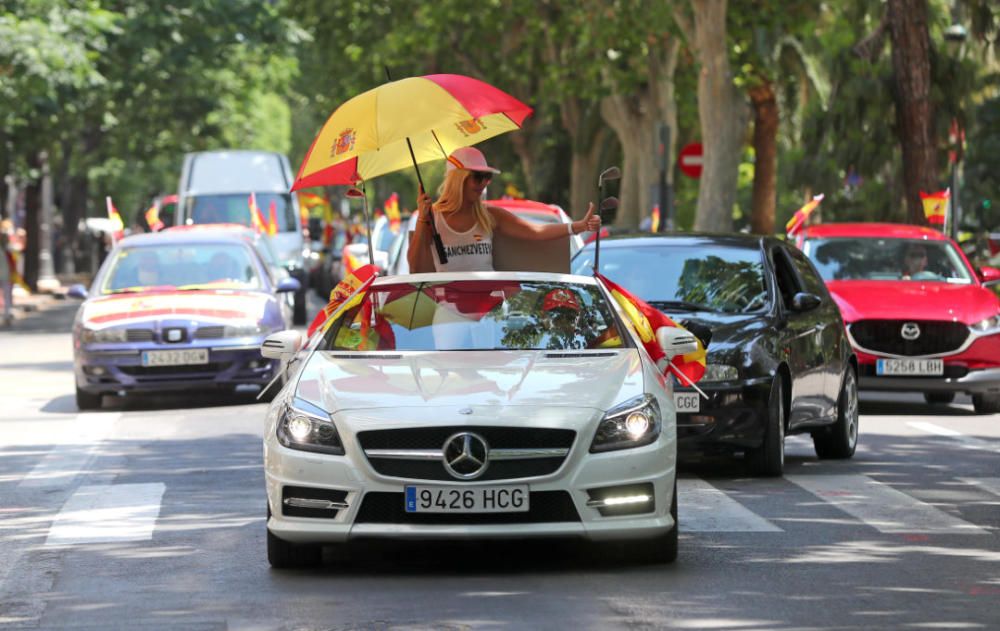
(896, 300)
(224, 306)
(345, 381)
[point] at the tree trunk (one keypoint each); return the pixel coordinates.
(722, 114)
(914, 113)
(32, 229)
(584, 168)
(522, 143)
(765, 143)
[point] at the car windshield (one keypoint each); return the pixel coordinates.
(476, 315)
(181, 266)
(887, 259)
(235, 208)
(679, 277)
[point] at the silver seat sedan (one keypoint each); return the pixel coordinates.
(472, 405)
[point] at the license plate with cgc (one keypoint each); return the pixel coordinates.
(179, 357)
(466, 499)
(909, 367)
(687, 401)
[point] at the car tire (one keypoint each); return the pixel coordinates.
(838, 441)
(87, 400)
(299, 308)
(768, 460)
(284, 555)
(939, 398)
(986, 403)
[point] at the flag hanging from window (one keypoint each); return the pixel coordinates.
(687, 368)
(798, 220)
(936, 206)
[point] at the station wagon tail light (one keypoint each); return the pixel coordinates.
(989, 325)
(633, 423)
(300, 430)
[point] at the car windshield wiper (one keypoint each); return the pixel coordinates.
(679, 305)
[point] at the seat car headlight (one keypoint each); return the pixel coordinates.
(989, 325)
(242, 330)
(633, 423)
(307, 432)
(102, 336)
(720, 372)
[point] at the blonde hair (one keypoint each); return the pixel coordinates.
(451, 196)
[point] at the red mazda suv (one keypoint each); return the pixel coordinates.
(919, 315)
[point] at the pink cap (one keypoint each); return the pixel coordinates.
(470, 159)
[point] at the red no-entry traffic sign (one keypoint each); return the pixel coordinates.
(689, 160)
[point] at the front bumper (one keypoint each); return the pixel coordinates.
(372, 504)
(112, 371)
(733, 418)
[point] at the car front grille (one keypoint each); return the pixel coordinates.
(388, 508)
(885, 336)
(210, 332)
(139, 335)
(498, 438)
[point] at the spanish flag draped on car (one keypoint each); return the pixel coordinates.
(687, 368)
(346, 294)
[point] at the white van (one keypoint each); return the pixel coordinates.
(215, 187)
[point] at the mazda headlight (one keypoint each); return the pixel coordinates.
(242, 330)
(989, 325)
(720, 372)
(633, 423)
(102, 336)
(307, 432)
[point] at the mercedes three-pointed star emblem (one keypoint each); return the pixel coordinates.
(466, 455)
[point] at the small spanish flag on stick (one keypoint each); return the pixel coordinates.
(347, 288)
(936, 206)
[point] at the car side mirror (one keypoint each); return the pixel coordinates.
(804, 301)
(989, 275)
(676, 341)
(282, 345)
(288, 284)
(77, 291)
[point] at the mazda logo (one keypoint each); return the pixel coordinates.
(910, 331)
(466, 455)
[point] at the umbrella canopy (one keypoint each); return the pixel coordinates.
(367, 136)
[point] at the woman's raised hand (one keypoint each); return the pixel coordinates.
(424, 206)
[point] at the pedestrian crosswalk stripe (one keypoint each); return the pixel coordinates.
(108, 514)
(704, 508)
(967, 442)
(881, 506)
(62, 464)
(991, 485)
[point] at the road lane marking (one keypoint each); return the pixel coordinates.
(964, 441)
(704, 508)
(66, 460)
(108, 513)
(881, 506)
(991, 485)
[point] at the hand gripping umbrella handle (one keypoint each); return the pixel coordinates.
(438, 243)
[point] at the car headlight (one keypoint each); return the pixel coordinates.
(242, 330)
(304, 431)
(633, 423)
(102, 336)
(720, 372)
(989, 325)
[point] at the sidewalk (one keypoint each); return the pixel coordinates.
(26, 305)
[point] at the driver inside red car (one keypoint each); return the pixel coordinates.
(914, 260)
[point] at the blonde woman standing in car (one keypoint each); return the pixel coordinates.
(466, 224)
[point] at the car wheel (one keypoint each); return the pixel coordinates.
(87, 400)
(841, 439)
(768, 460)
(939, 398)
(299, 308)
(986, 403)
(284, 555)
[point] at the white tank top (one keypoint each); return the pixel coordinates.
(469, 251)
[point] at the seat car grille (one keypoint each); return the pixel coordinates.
(499, 438)
(139, 335)
(546, 507)
(209, 332)
(886, 336)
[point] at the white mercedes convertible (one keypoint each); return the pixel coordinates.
(472, 405)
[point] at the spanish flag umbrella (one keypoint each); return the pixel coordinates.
(406, 122)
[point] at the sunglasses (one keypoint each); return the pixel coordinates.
(481, 176)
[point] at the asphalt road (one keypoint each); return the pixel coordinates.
(150, 515)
